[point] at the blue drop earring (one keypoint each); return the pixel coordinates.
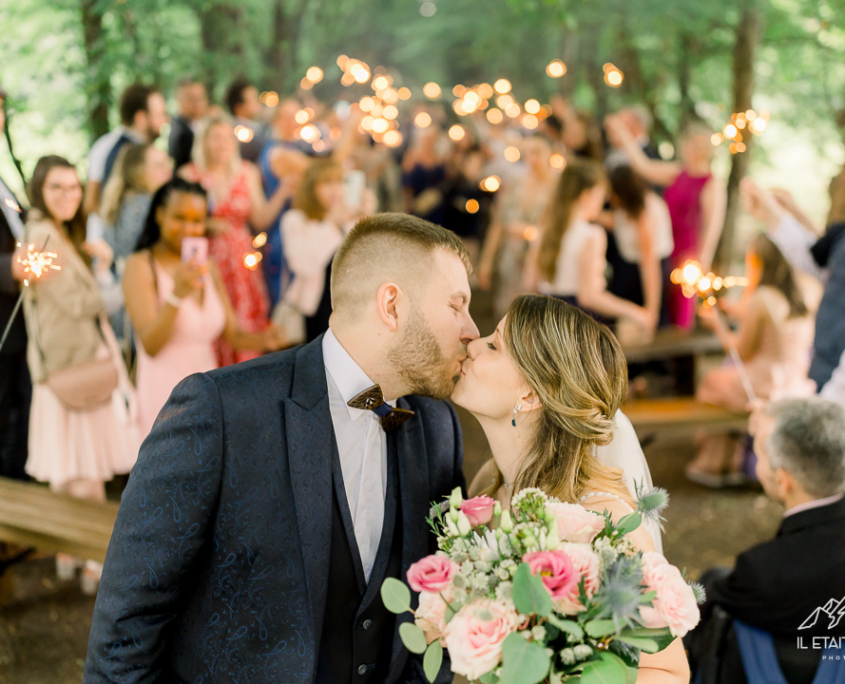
(516, 410)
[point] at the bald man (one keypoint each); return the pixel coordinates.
(274, 497)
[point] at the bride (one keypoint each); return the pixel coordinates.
(546, 387)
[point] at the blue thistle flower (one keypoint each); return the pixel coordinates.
(650, 504)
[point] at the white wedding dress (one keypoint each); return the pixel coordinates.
(624, 452)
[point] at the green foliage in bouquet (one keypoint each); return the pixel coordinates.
(553, 619)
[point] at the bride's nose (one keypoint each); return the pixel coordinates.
(472, 348)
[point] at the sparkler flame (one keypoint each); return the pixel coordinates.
(13, 205)
(695, 282)
(38, 263)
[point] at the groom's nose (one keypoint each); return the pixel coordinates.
(469, 332)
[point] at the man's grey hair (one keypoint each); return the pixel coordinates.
(641, 114)
(808, 441)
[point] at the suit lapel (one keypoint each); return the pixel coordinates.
(412, 459)
(310, 440)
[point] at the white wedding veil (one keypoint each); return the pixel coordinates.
(624, 452)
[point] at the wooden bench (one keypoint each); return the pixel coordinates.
(673, 343)
(681, 415)
(32, 515)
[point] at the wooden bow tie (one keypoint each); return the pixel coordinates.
(373, 400)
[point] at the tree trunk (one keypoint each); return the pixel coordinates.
(97, 83)
(748, 33)
(688, 48)
(632, 68)
(220, 30)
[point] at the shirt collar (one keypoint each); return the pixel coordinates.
(817, 503)
(136, 138)
(345, 373)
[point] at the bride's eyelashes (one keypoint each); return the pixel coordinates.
(492, 346)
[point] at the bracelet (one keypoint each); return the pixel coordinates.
(173, 300)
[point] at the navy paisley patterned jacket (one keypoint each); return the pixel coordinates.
(217, 567)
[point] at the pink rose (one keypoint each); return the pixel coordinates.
(478, 510)
(474, 636)
(575, 523)
(431, 614)
(432, 573)
(675, 606)
(587, 565)
(556, 570)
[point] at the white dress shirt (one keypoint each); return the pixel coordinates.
(362, 446)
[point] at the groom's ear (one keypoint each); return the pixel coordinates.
(387, 301)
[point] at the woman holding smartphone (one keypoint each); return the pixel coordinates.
(176, 300)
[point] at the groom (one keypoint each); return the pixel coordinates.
(273, 497)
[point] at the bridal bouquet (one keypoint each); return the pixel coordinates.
(552, 592)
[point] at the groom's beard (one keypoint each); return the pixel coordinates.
(420, 362)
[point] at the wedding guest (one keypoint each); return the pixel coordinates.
(423, 171)
(140, 170)
(312, 232)
(778, 586)
(282, 163)
(638, 120)
(142, 114)
(822, 258)
(466, 206)
(236, 200)
(582, 134)
(642, 243)
(696, 202)
(178, 308)
(75, 450)
(570, 258)
(517, 213)
(15, 385)
(192, 101)
(242, 101)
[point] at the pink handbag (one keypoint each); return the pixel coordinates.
(84, 386)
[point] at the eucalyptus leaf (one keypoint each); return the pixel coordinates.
(571, 627)
(412, 637)
(488, 678)
(609, 669)
(432, 660)
(524, 662)
(529, 593)
(396, 596)
(599, 628)
(642, 643)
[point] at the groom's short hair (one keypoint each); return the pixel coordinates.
(389, 246)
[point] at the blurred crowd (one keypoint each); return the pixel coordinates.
(215, 246)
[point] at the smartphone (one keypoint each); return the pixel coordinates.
(195, 248)
(356, 183)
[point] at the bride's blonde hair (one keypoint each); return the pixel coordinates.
(579, 373)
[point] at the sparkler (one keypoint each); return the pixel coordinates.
(708, 286)
(36, 263)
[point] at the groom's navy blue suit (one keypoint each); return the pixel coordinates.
(218, 569)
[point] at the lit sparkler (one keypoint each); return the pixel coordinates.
(36, 263)
(708, 286)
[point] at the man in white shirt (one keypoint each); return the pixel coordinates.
(142, 114)
(273, 498)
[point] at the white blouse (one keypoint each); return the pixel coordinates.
(568, 270)
(309, 245)
(659, 223)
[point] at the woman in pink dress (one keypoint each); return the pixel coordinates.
(178, 309)
(236, 202)
(696, 202)
(774, 341)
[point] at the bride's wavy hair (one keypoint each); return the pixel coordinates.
(580, 375)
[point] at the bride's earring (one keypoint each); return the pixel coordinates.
(516, 410)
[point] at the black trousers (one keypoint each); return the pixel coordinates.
(15, 400)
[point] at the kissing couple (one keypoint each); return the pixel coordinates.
(273, 497)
